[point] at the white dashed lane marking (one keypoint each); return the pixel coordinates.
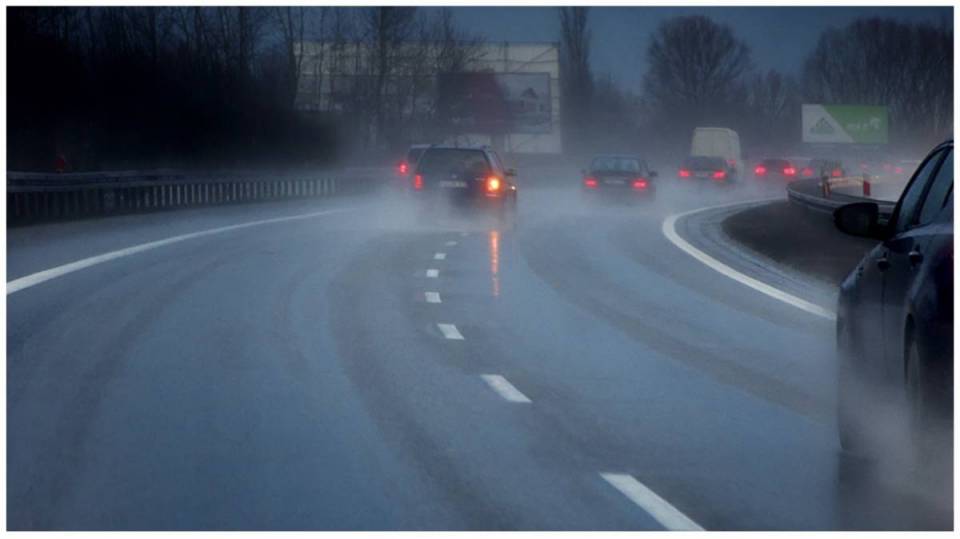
(451, 243)
(34, 279)
(440, 256)
(504, 388)
(667, 515)
(432, 297)
(450, 331)
(433, 273)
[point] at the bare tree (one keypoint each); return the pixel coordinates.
(905, 67)
(771, 108)
(386, 30)
(575, 63)
(694, 64)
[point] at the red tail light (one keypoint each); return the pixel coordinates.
(590, 183)
(493, 184)
(719, 175)
(760, 170)
(789, 171)
(404, 168)
(807, 172)
(418, 182)
(640, 183)
(898, 170)
(684, 173)
(836, 173)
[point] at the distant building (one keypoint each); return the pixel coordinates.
(524, 77)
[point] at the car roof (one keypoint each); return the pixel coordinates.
(456, 147)
(616, 156)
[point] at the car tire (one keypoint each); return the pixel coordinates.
(849, 398)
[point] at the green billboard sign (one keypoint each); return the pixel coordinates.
(844, 124)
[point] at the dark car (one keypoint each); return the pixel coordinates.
(464, 176)
(895, 320)
(619, 175)
(781, 169)
(409, 162)
(823, 168)
(714, 169)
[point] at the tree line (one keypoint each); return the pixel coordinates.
(700, 73)
(184, 86)
(138, 87)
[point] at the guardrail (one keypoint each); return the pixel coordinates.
(34, 197)
(818, 195)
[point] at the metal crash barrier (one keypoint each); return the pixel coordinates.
(34, 197)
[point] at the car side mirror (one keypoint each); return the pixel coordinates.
(510, 172)
(859, 219)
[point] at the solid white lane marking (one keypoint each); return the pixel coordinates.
(667, 515)
(669, 230)
(504, 388)
(450, 331)
(432, 297)
(34, 279)
(440, 256)
(451, 243)
(433, 273)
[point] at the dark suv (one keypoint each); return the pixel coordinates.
(464, 177)
(895, 321)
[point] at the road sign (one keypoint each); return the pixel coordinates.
(844, 124)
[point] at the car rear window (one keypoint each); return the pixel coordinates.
(700, 162)
(414, 154)
(615, 164)
(776, 164)
(453, 161)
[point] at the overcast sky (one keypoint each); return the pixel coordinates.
(778, 37)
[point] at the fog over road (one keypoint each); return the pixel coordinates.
(578, 371)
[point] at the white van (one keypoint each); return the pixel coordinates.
(718, 142)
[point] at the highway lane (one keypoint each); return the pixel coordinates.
(297, 375)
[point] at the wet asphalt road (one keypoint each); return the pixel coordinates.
(297, 375)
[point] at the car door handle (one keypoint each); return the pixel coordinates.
(883, 263)
(915, 256)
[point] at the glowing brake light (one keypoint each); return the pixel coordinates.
(418, 182)
(807, 172)
(590, 183)
(640, 183)
(789, 171)
(836, 173)
(719, 175)
(760, 170)
(493, 184)
(404, 168)
(898, 170)
(684, 173)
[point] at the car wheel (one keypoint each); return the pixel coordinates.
(849, 398)
(921, 408)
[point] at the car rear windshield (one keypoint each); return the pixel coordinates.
(615, 164)
(442, 161)
(776, 164)
(699, 162)
(414, 154)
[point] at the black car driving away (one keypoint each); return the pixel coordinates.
(619, 175)
(781, 169)
(464, 176)
(895, 322)
(712, 169)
